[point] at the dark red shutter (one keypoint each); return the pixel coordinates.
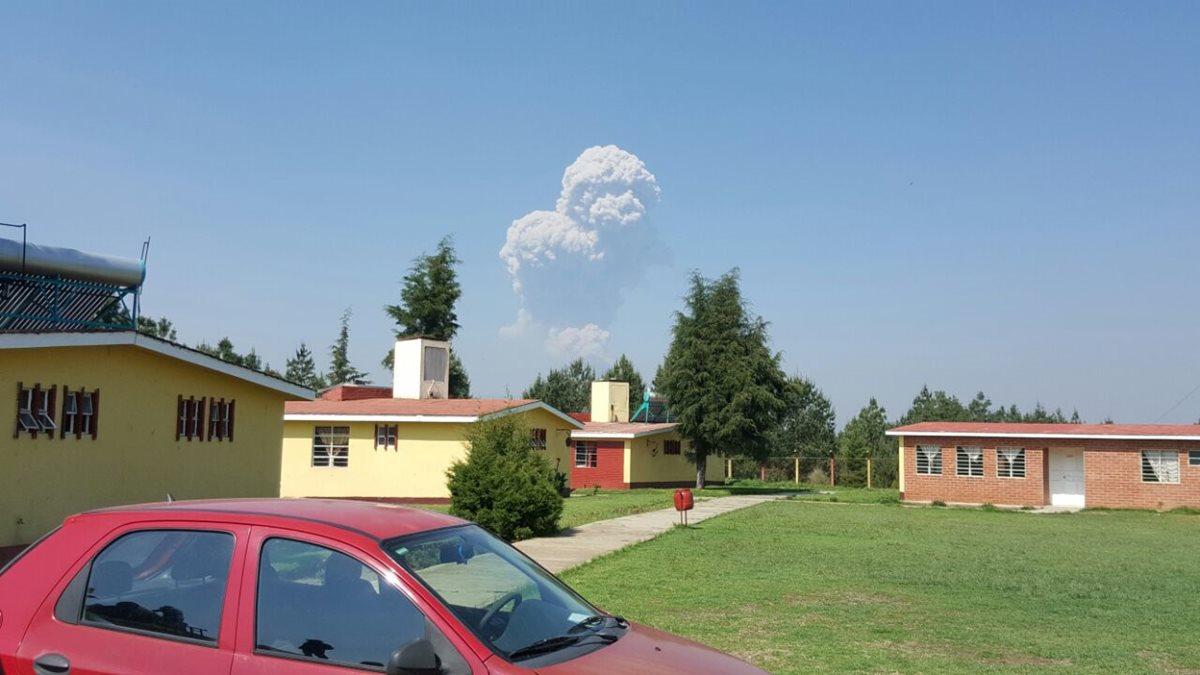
(62, 422)
(95, 413)
(231, 419)
(179, 417)
(33, 406)
(200, 428)
(52, 405)
(17, 419)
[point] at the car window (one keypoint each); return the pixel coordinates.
(317, 603)
(167, 582)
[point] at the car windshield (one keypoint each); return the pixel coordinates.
(508, 601)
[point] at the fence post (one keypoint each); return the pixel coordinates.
(832, 471)
(797, 470)
(868, 473)
(762, 471)
(729, 469)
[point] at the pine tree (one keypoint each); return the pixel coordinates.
(426, 308)
(340, 370)
(807, 426)
(302, 370)
(568, 389)
(623, 371)
(865, 436)
(721, 380)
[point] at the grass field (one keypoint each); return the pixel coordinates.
(796, 586)
(586, 506)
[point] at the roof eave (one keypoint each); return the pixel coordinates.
(984, 434)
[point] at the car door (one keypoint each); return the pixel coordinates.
(147, 600)
(315, 606)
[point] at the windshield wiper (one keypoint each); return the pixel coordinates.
(553, 644)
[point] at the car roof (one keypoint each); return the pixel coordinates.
(376, 520)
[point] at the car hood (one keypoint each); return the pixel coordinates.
(645, 650)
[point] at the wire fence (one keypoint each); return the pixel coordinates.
(877, 472)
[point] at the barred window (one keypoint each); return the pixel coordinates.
(220, 420)
(929, 460)
(1010, 462)
(1160, 466)
(189, 417)
(331, 447)
(672, 447)
(537, 439)
(969, 461)
(585, 454)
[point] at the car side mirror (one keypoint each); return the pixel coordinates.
(415, 658)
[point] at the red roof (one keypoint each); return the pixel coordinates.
(1181, 431)
(581, 417)
(355, 392)
(622, 429)
(405, 407)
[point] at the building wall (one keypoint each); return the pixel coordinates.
(609, 472)
(990, 489)
(415, 469)
(650, 467)
(134, 457)
(1112, 474)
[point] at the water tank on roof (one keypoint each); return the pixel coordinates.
(70, 264)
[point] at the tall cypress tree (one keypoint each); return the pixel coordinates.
(302, 370)
(721, 380)
(568, 389)
(340, 370)
(426, 308)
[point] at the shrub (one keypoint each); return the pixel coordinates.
(504, 484)
(818, 476)
(938, 502)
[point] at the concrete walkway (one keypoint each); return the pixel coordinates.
(581, 544)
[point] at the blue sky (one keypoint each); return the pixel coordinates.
(991, 196)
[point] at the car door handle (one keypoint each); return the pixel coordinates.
(51, 663)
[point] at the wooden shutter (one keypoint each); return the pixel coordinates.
(179, 417)
(200, 428)
(95, 412)
(231, 402)
(17, 417)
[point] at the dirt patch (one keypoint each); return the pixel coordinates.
(1163, 664)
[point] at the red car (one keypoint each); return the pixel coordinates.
(307, 587)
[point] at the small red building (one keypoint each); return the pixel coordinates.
(1148, 466)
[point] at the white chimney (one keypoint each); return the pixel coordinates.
(421, 368)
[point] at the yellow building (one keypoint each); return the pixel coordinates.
(397, 443)
(611, 452)
(106, 418)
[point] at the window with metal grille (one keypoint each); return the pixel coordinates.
(220, 420)
(189, 417)
(80, 413)
(968, 461)
(331, 447)
(1160, 466)
(385, 436)
(537, 439)
(1010, 462)
(585, 454)
(672, 447)
(929, 460)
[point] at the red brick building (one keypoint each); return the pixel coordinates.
(1147, 466)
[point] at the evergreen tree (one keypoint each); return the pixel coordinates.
(568, 389)
(1075, 418)
(937, 406)
(426, 308)
(227, 353)
(160, 328)
(806, 427)
(980, 409)
(721, 380)
(623, 371)
(302, 370)
(863, 437)
(340, 370)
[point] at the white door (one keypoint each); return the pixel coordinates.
(1066, 477)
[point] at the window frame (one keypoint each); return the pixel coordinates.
(389, 434)
(1011, 464)
(538, 438)
(1193, 457)
(591, 454)
(1144, 463)
(331, 458)
(675, 443)
(962, 460)
(232, 583)
(929, 462)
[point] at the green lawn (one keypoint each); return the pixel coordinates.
(586, 506)
(796, 586)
